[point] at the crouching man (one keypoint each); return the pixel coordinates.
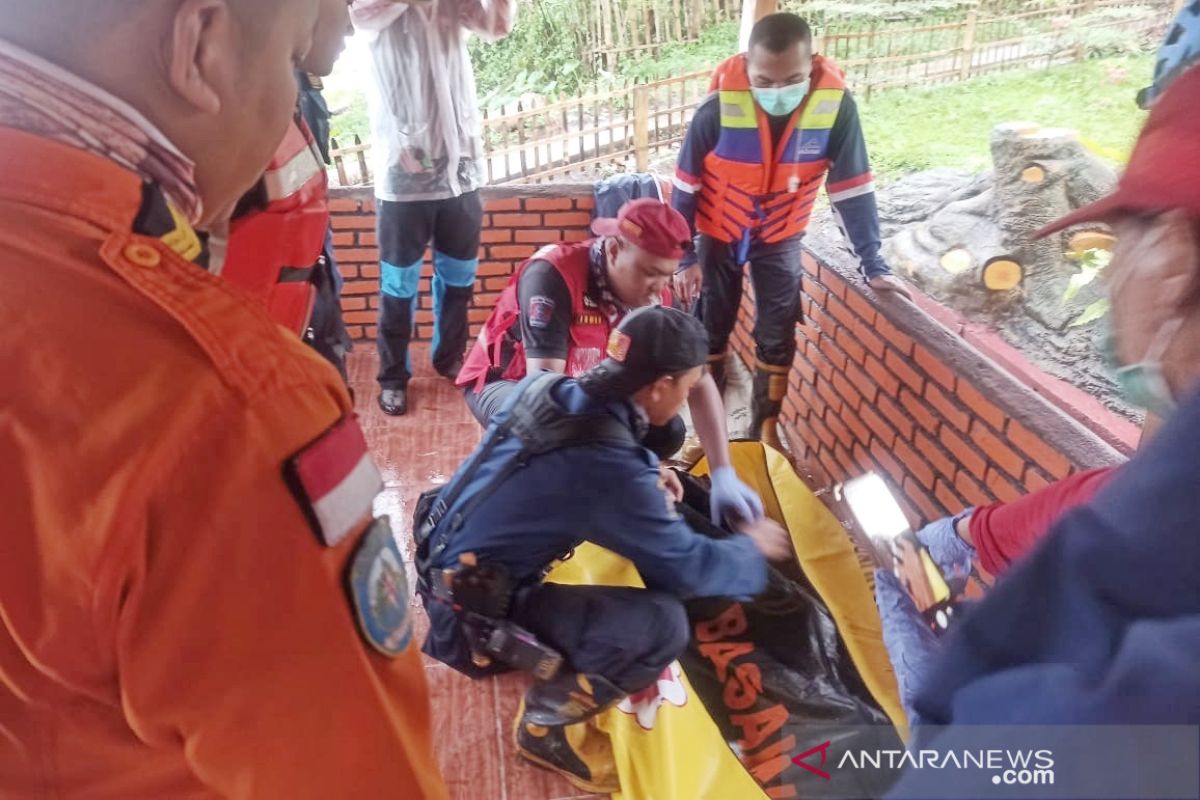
(563, 462)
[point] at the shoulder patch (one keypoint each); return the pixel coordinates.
(335, 481)
(540, 311)
(378, 589)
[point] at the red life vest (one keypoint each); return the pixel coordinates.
(272, 250)
(498, 355)
(750, 188)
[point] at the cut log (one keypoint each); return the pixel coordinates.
(957, 260)
(1090, 240)
(1002, 274)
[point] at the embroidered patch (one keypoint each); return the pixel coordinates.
(335, 480)
(378, 590)
(541, 311)
(618, 345)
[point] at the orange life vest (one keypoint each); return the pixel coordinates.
(750, 188)
(273, 250)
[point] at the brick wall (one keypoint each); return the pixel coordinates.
(878, 384)
(517, 221)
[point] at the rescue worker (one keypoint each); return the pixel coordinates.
(557, 313)
(278, 243)
(194, 600)
(563, 462)
(428, 168)
(1114, 638)
(779, 120)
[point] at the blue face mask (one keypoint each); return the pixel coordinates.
(1144, 384)
(780, 101)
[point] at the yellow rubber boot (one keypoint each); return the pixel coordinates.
(581, 753)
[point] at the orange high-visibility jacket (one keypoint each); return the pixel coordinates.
(170, 625)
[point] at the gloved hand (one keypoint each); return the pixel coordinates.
(731, 499)
(952, 555)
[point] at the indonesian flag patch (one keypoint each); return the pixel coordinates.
(336, 481)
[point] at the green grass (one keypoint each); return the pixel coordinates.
(908, 130)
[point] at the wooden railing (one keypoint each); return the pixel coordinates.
(624, 128)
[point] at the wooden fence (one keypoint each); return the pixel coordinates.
(623, 128)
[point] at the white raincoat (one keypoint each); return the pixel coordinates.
(424, 114)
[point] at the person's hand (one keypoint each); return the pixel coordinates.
(687, 284)
(952, 555)
(732, 500)
(769, 537)
(668, 481)
(890, 284)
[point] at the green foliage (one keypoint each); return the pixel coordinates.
(715, 45)
(1091, 263)
(1107, 32)
(350, 116)
(543, 54)
(1092, 313)
(948, 126)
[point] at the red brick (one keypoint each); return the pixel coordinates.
(576, 235)
(422, 317)
(496, 284)
(982, 407)
(845, 460)
(516, 220)
(502, 204)
(935, 455)
(343, 239)
(832, 468)
(369, 270)
(1035, 481)
(948, 408)
(368, 239)
(570, 219)
(874, 345)
(904, 371)
(585, 202)
(929, 508)
(1040, 453)
(802, 371)
(370, 332)
(948, 498)
(818, 360)
(359, 287)
(907, 508)
(861, 306)
(549, 204)
(539, 236)
(830, 397)
(494, 268)
(373, 301)
(915, 465)
(356, 222)
(859, 428)
(899, 419)
(847, 391)
(495, 235)
(887, 461)
(823, 321)
(832, 351)
(840, 430)
(1002, 488)
(424, 332)
(886, 435)
(822, 431)
(997, 451)
(863, 458)
(359, 255)
(815, 291)
(934, 368)
(516, 252)
(894, 336)
(971, 491)
(964, 454)
(808, 394)
(888, 383)
(368, 205)
(918, 410)
(354, 303)
(830, 281)
(867, 387)
(355, 332)
(478, 314)
(851, 345)
(349, 272)
(344, 205)
(841, 312)
(359, 317)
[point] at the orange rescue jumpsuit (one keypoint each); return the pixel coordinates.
(170, 626)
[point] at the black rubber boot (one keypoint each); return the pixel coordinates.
(770, 387)
(552, 730)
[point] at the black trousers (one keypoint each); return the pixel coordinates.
(405, 230)
(775, 272)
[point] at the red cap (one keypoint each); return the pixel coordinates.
(1164, 170)
(651, 225)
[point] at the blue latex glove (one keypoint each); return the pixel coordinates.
(731, 499)
(911, 645)
(952, 555)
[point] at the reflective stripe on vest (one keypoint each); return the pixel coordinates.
(750, 189)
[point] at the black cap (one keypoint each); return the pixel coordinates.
(649, 343)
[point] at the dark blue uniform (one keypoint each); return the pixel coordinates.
(609, 494)
(1101, 624)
